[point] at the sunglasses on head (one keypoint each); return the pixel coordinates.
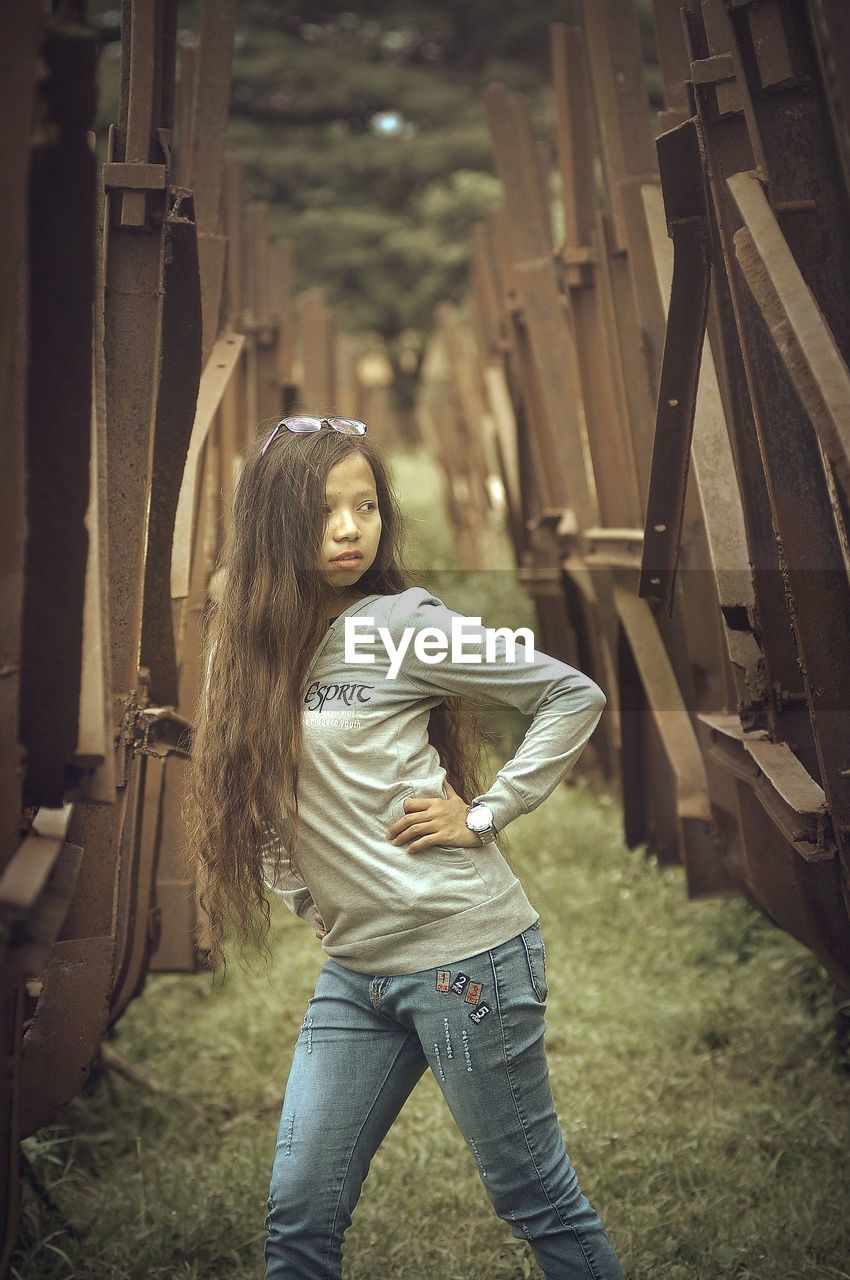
(303, 426)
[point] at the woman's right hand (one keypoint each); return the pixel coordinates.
(320, 925)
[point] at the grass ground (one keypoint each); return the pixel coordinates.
(692, 1059)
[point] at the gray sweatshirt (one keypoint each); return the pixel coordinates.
(386, 910)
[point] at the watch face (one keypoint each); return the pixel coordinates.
(480, 817)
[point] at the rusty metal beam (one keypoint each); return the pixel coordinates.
(94, 752)
(178, 379)
(316, 330)
(283, 288)
(685, 332)
(509, 120)
(486, 293)
(585, 279)
(795, 803)
(714, 472)
(666, 706)
(19, 64)
(809, 902)
(801, 335)
(261, 323)
(61, 300)
(673, 61)
(553, 354)
(72, 1007)
(36, 888)
(616, 66)
(211, 102)
(69, 1023)
(829, 22)
(173, 917)
(216, 376)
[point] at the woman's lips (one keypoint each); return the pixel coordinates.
(354, 558)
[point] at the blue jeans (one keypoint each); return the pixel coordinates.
(365, 1041)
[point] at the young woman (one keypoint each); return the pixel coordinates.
(346, 777)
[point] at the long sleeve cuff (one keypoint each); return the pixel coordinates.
(290, 887)
(503, 801)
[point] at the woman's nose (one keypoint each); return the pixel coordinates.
(344, 526)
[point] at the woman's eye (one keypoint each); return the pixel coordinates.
(371, 505)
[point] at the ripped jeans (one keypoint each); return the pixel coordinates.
(365, 1042)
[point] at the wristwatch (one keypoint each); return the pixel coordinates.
(479, 818)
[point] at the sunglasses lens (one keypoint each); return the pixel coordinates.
(349, 426)
(300, 425)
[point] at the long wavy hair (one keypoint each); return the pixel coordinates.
(263, 623)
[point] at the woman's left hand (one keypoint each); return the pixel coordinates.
(434, 820)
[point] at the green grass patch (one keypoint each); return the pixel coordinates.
(692, 1058)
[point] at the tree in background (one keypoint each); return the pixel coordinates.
(365, 130)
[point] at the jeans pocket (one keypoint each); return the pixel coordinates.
(535, 954)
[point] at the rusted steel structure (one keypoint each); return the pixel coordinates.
(148, 325)
(455, 426)
(666, 389)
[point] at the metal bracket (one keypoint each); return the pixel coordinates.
(162, 732)
(718, 72)
(715, 70)
(134, 177)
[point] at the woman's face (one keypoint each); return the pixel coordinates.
(352, 521)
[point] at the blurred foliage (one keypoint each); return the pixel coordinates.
(366, 131)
